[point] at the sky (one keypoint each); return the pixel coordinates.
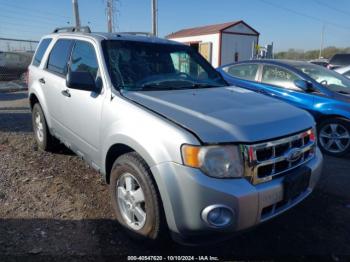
(288, 24)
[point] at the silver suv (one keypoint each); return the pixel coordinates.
(181, 150)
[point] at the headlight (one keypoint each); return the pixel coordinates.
(215, 161)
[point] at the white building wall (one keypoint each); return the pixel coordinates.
(232, 43)
(213, 38)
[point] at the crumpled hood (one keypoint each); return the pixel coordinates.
(227, 114)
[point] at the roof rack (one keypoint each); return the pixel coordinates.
(135, 33)
(72, 29)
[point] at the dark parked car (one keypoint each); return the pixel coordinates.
(14, 64)
(322, 92)
(339, 60)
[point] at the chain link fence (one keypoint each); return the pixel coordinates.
(15, 56)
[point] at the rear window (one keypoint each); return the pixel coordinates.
(41, 51)
(58, 59)
(340, 59)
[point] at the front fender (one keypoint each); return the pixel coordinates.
(334, 109)
(155, 138)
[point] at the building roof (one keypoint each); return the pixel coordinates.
(206, 30)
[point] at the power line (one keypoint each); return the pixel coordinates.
(28, 9)
(331, 7)
(31, 19)
(7, 10)
(305, 15)
(23, 25)
(22, 28)
(20, 12)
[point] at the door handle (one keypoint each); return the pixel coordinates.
(66, 93)
(42, 81)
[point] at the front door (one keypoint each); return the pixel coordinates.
(279, 83)
(82, 109)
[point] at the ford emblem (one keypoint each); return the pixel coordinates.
(293, 155)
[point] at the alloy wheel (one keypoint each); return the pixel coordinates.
(334, 137)
(131, 201)
(39, 127)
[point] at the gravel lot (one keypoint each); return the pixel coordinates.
(54, 207)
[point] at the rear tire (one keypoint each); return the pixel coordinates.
(44, 139)
(135, 199)
(334, 136)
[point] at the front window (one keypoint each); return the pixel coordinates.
(278, 76)
(149, 66)
(244, 71)
(328, 78)
(84, 58)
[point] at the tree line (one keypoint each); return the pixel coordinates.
(296, 54)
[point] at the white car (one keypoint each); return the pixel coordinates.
(344, 71)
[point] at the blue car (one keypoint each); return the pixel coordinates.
(323, 93)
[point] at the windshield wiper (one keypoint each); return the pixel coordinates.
(190, 85)
(343, 92)
(204, 85)
(157, 87)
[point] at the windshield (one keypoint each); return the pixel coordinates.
(328, 78)
(149, 66)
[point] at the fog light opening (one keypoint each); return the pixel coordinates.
(218, 216)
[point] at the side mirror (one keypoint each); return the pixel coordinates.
(81, 81)
(304, 85)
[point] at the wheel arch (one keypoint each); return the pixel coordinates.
(33, 99)
(113, 153)
(323, 118)
(119, 148)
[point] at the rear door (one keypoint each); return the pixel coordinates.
(82, 109)
(278, 82)
(53, 81)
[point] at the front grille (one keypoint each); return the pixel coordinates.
(268, 160)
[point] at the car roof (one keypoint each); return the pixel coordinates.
(100, 36)
(278, 62)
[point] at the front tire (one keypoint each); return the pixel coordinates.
(44, 139)
(135, 198)
(334, 137)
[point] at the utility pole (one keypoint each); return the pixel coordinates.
(76, 13)
(110, 15)
(154, 18)
(322, 39)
